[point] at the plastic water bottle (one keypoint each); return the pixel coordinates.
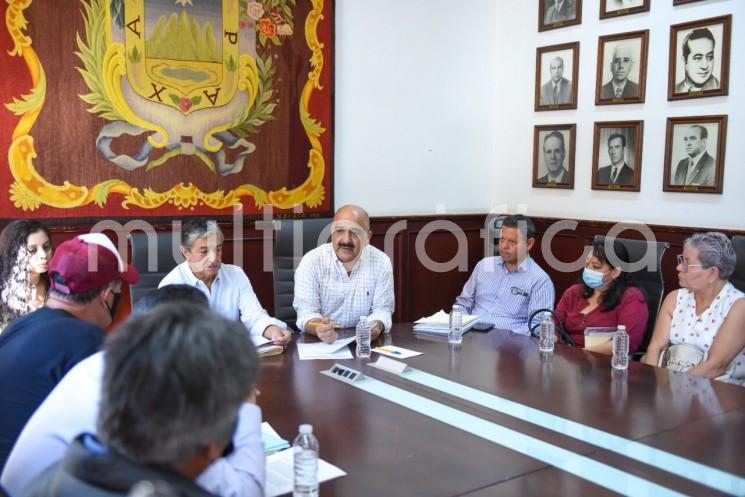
(620, 348)
(546, 337)
(305, 452)
(363, 337)
(455, 332)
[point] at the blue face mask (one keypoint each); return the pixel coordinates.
(592, 278)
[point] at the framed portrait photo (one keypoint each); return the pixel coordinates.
(616, 8)
(556, 70)
(681, 2)
(694, 154)
(699, 58)
(617, 155)
(554, 14)
(553, 156)
(622, 68)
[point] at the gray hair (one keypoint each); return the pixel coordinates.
(174, 380)
(714, 250)
(198, 227)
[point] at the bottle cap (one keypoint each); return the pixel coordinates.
(306, 429)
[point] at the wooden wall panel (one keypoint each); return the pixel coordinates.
(419, 290)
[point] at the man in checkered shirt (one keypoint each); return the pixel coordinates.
(340, 281)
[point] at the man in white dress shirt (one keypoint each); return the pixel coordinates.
(226, 286)
(340, 281)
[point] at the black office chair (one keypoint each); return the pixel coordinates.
(738, 277)
(491, 241)
(309, 234)
(165, 257)
(650, 281)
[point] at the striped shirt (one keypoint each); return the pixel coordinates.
(507, 298)
(324, 289)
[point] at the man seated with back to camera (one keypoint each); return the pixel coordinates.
(505, 290)
(226, 286)
(338, 282)
(174, 383)
(38, 349)
(604, 299)
(72, 407)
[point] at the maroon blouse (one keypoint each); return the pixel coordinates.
(632, 312)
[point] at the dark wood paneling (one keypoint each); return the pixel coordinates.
(419, 290)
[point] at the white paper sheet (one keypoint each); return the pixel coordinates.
(279, 473)
(323, 350)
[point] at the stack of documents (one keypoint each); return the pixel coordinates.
(439, 323)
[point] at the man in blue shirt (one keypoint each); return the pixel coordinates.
(38, 349)
(507, 289)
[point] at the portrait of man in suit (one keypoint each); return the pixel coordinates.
(558, 90)
(698, 167)
(554, 154)
(618, 172)
(699, 61)
(559, 10)
(621, 64)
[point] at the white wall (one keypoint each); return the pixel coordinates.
(424, 116)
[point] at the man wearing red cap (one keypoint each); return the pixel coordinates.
(38, 349)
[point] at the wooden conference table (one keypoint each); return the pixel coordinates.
(389, 450)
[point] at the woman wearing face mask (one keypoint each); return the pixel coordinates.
(25, 251)
(604, 299)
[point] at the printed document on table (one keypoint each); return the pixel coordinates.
(323, 350)
(279, 473)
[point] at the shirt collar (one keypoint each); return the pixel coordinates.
(558, 177)
(521, 268)
(695, 159)
(192, 279)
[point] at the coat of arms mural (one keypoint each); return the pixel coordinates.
(156, 107)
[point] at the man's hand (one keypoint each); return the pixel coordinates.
(376, 328)
(325, 330)
(277, 335)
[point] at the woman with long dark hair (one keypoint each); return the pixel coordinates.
(604, 299)
(25, 251)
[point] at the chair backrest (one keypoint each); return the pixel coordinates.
(293, 239)
(738, 277)
(165, 256)
(648, 278)
(492, 238)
